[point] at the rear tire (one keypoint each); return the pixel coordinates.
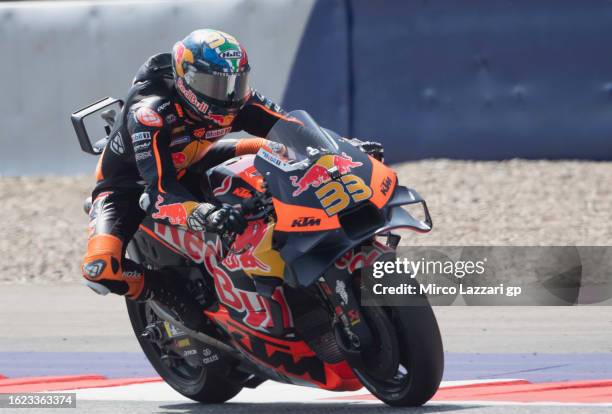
(421, 355)
(209, 386)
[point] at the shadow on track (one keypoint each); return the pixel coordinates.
(303, 408)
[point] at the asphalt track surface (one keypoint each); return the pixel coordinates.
(67, 330)
(134, 407)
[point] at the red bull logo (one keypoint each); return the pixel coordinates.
(318, 174)
(178, 158)
(190, 96)
(181, 54)
(247, 243)
(221, 120)
(175, 213)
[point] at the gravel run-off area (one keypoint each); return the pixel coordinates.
(43, 227)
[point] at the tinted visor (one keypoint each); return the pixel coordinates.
(227, 89)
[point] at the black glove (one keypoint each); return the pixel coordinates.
(227, 218)
(372, 148)
(220, 220)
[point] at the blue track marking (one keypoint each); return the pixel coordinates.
(532, 367)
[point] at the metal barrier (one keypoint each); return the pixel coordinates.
(487, 79)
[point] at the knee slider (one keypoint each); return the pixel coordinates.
(99, 288)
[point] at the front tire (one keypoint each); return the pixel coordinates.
(421, 358)
(207, 385)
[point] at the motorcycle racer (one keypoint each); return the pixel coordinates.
(169, 136)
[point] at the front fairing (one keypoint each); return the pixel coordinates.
(311, 232)
(280, 178)
(308, 255)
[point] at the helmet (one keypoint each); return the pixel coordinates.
(211, 73)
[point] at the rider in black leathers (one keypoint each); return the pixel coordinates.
(180, 106)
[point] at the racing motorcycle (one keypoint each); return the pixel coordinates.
(282, 300)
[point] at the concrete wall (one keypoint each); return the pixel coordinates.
(57, 57)
(487, 79)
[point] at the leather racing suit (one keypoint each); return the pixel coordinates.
(160, 150)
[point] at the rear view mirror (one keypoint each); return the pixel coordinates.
(93, 124)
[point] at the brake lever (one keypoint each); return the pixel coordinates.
(256, 207)
(227, 239)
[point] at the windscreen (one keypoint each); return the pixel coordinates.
(302, 136)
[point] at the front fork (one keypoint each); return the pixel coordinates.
(350, 328)
(341, 289)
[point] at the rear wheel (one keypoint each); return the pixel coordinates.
(207, 383)
(421, 357)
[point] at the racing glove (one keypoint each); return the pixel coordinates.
(372, 148)
(224, 219)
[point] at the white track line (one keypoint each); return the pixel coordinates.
(265, 393)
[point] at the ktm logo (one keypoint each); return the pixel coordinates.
(242, 192)
(386, 185)
(306, 222)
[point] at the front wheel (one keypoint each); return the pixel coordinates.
(207, 384)
(421, 355)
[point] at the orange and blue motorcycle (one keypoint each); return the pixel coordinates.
(283, 300)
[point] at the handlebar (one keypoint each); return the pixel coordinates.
(257, 207)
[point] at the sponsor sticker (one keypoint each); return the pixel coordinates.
(163, 106)
(191, 97)
(175, 213)
(179, 158)
(318, 173)
(242, 192)
(199, 133)
(149, 117)
(142, 147)
(275, 160)
(141, 136)
(216, 133)
(210, 359)
(132, 274)
(221, 120)
(231, 54)
(116, 144)
(143, 155)
(306, 222)
(385, 186)
(172, 330)
(180, 140)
